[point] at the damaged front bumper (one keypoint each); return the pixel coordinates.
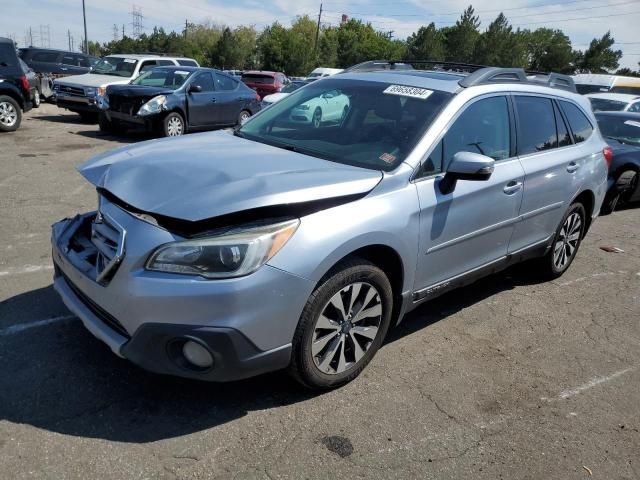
(141, 315)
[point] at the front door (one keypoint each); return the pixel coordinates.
(470, 227)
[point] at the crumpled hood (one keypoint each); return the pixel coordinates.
(201, 176)
(92, 80)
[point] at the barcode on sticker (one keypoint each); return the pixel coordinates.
(413, 92)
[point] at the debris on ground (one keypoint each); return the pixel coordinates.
(610, 249)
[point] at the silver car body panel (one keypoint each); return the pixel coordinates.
(437, 237)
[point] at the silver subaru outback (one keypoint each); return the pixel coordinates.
(224, 255)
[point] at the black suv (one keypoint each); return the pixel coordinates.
(57, 62)
(15, 92)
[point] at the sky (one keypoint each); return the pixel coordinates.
(581, 20)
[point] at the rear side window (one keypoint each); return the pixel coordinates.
(148, 65)
(536, 125)
(45, 57)
(564, 137)
(187, 63)
(257, 78)
(578, 122)
(482, 128)
(635, 107)
(165, 62)
(81, 61)
(225, 83)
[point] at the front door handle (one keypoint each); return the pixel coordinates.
(572, 167)
(512, 187)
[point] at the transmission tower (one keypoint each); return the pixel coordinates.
(136, 21)
(115, 32)
(45, 36)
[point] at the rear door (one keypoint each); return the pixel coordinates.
(470, 228)
(229, 99)
(547, 154)
(203, 107)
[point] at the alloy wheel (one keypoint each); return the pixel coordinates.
(567, 241)
(317, 118)
(174, 127)
(244, 116)
(8, 114)
(346, 328)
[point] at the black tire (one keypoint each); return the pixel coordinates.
(243, 116)
(549, 266)
(10, 114)
(89, 117)
(342, 277)
(316, 119)
(173, 125)
(105, 124)
(621, 192)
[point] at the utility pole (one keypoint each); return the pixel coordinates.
(123, 30)
(115, 32)
(69, 38)
(315, 46)
(30, 37)
(136, 23)
(186, 28)
(84, 17)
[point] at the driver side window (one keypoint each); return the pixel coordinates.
(482, 128)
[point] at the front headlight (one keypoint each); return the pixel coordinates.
(233, 254)
(302, 107)
(153, 106)
(101, 91)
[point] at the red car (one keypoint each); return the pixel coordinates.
(265, 83)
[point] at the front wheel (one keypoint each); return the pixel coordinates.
(566, 242)
(243, 117)
(10, 114)
(173, 125)
(316, 120)
(342, 325)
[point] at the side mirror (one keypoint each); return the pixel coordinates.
(466, 166)
(193, 88)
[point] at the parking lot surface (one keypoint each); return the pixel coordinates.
(508, 378)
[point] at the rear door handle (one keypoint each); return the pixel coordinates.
(512, 187)
(572, 167)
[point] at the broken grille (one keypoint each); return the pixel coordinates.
(108, 238)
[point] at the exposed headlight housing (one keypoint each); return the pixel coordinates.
(153, 106)
(233, 254)
(101, 91)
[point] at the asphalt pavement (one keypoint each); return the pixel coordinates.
(510, 378)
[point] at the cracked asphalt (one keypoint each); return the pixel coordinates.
(508, 378)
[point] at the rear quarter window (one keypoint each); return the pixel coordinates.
(536, 124)
(8, 56)
(578, 121)
(187, 63)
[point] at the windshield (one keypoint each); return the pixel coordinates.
(314, 75)
(161, 77)
(625, 130)
(116, 66)
(368, 124)
(604, 105)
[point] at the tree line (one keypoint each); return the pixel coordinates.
(299, 48)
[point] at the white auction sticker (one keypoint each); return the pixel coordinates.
(404, 91)
(130, 60)
(181, 72)
(633, 123)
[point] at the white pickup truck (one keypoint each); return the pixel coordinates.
(81, 93)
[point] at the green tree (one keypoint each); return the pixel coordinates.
(95, 48)
(328, 48)
(428, 43)
(627, 72)
(460, 40)
(225, 54)
(499, 45)
(548, 50)
(599, 57)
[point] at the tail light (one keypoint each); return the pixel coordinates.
(25, 83)
(258, 96)
(608, 155)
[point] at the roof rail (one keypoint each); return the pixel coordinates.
(510, 75)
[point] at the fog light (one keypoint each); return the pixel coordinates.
(196, 354)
